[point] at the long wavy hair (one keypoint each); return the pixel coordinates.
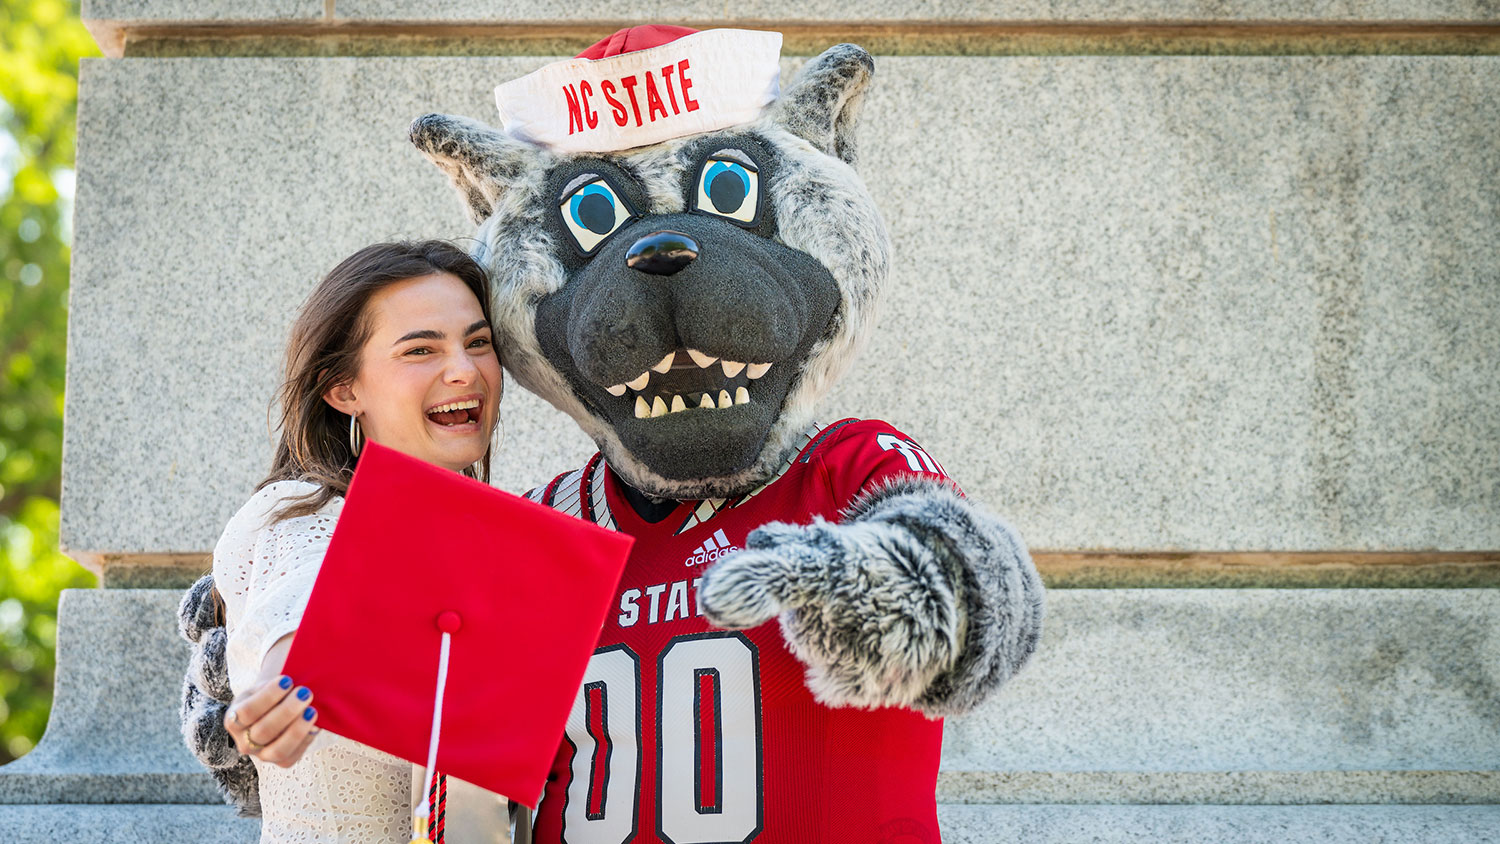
(323, 351)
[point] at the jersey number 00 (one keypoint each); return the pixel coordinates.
(708, 748)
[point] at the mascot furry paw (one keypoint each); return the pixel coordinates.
(206, 696)
(684, 262)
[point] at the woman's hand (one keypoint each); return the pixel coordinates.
(273, 721)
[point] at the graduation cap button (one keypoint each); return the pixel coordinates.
(449, 621)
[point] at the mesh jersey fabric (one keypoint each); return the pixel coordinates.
(684, 733)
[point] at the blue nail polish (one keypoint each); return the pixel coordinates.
(308, 713)
(286, 682)
(304, 693)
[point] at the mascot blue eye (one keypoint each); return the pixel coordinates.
(592, 213)
(594, 209)
(728, 185)
(729, 188)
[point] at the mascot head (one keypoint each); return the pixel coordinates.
(683, 261)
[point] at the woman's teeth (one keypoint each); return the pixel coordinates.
(455, 413)
(457, 405)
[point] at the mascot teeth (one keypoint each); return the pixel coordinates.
(704, 361)
(640, 382)
(666, 363)
(755, 371)
(678, 403)
(616, 390)
(731, 368)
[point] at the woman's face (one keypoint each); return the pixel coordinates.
(429, 379)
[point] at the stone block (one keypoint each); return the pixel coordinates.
(1138, 303)
(165, 12)
(758, 12)
(113, 735)
(1243, 697)
(40, 824)
(1198, 824)
(109, 20)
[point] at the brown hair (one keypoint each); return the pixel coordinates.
(323, 351)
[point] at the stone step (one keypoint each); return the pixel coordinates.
(1247, 697)
(1343, 824)
(1136, 696)
(758, 13)
(112, 735)
(1244, 696)
(136, 824)
(1047, 824)
(1188, 299)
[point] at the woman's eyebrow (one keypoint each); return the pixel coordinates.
(483, 323)
(424, 334)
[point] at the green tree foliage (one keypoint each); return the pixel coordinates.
(41, 42)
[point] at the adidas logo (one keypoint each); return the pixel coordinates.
(712, 549)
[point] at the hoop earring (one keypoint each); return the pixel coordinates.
(356, 434)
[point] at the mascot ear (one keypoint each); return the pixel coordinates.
(481, 161)
(822, 103)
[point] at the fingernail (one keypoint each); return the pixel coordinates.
(304, 693)
(308, 713)
(285, 682)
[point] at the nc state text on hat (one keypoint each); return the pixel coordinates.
(582, 116)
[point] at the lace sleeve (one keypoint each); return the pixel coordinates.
(265, 573)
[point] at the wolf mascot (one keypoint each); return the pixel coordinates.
(684, 262)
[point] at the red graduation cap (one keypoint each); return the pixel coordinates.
(430, 572)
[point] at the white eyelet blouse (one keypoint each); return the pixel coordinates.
(340, 790)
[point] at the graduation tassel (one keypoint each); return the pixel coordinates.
(421, 827)
(437, 806)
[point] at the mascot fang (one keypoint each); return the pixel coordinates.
(684, 261)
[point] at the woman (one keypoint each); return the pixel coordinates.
(394, 346)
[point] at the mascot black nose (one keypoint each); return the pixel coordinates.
(662, 253)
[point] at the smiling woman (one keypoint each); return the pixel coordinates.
(393, 334)
(394, 345)
(429, 391)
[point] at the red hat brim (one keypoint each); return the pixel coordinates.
(634, 38)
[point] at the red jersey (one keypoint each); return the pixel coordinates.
(683, 733)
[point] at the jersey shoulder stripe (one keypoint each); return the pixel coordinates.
(713, 506)
(827, 434)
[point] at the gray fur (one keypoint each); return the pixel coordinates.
(208, 667)
(206, 697)
(822, 105)
(1002, 594)
(479, 160)
(196, 612)
(915, 599)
